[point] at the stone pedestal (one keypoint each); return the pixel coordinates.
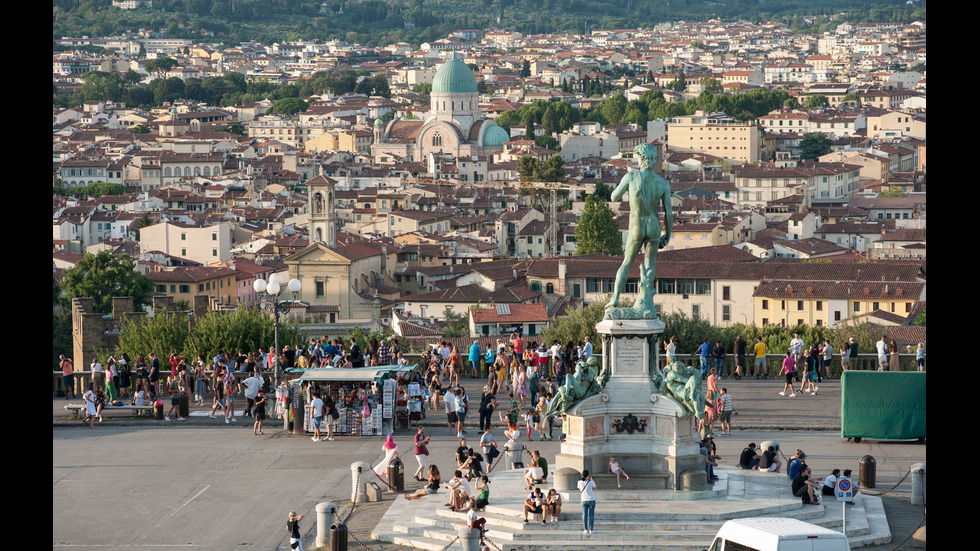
(648, 433)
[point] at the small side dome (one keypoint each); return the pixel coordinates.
(495, 136)
(378, 123)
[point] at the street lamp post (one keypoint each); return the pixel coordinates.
(269, 294)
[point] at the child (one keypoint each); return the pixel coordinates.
(529, 419)
(920, 357)
(139, 399)
(616, 470)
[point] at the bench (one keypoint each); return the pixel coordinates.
(74, 410)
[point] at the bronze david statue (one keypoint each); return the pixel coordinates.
(647, 191)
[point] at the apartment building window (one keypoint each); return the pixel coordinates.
(183, 252)
(200, 287)
(161, 288)
(765, 304)
(183, 237)
(799, 305)
(857, 306)
(696, 310)
(726, 313)
(726, 293)
(874, 306)
(185, 288)
(214, 237)
(819, 306)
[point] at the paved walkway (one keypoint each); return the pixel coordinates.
(760, 410)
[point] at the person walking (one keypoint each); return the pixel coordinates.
(230, 398)
(475, 354)
(740, 346)
(390, 449)
(330, 415)
(316, 408)
(488, 402)
(809, 372)
(726, 412)
(68, 376)
(175, 388)
(705, 354)
(90, 407)
(292, 527)
(789, 371)
(421, 453)
(260, 402)
(587, 488)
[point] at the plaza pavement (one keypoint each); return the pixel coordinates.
(204, 483)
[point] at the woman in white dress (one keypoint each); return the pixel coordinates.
(390, 450)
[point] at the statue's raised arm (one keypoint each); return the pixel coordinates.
(647, 191)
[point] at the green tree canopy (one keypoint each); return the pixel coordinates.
(289, 106)
(814, 145)
(248, 328)
(597, 231)
(103, 276)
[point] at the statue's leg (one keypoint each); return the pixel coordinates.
(632, 248)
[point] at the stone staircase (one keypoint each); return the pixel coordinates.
(627, 518)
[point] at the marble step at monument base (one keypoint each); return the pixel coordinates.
(628, 519)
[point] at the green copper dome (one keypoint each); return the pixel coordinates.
(454, 77)
(495, 136)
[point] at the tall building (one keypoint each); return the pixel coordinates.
(715, 134)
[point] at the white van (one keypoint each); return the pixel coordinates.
(777, 534)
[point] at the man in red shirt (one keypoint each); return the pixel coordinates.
(518, 343)
(68, 376)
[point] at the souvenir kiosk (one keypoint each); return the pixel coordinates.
(369, 400)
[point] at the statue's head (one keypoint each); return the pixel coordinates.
(646, 154)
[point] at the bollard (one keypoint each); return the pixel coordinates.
(338, 537)
(469, 540)
(358, 480)
(326, 516)
(512, 454)
(919, 484)
(158, 410)
(566, 479)
(866, 469)
(396, 475)
(184, 409)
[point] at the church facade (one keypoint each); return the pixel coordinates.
(454, 125)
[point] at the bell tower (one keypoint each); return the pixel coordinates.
(322, 209)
